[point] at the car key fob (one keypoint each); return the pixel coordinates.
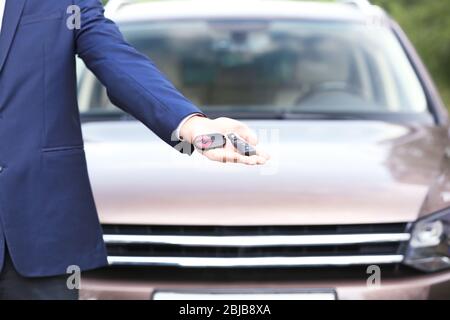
(207, 142)
(241, 145)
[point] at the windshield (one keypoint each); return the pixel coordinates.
(275, 66)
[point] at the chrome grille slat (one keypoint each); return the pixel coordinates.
(256, 241)
(264, 246)
(198, 262)
(253, 230)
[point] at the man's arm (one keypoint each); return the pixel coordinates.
(135, 85)
(133, 82)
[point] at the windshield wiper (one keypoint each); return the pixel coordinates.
(320, 116)
(372, 116)
(284, 115)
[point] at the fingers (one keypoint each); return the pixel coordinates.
(229, 156)
(239, 128)
(240, 148)
(262, 154)
(247, 134)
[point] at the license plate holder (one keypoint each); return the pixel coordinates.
(256, 294)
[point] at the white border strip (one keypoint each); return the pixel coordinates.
(243, 296)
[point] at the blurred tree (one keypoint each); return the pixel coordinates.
(427, 24)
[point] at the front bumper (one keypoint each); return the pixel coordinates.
(141, 284)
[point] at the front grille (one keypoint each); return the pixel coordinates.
(268, 246)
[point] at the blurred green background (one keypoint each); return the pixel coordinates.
(427, 23)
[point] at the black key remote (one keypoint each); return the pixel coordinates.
(241, 145)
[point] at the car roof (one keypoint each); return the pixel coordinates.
(129, 10)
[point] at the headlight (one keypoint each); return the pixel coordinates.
(429, 247)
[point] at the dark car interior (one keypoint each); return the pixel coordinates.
(265, 66)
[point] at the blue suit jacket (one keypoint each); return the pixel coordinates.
(48, 218)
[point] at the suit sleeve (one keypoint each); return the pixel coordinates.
(133, 82)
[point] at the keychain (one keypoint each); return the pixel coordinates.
(207, 142)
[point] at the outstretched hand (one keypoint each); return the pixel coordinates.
(199, 125)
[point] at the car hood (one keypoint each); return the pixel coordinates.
(321, 172)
